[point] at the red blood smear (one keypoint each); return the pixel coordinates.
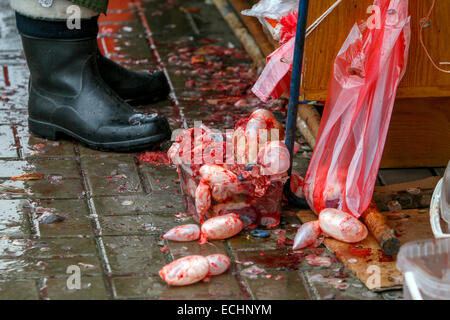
(359, 252)
(316, 251)
(6, 76)
(190, 83)
(278, 260)
(384, 257)
(155, 157)
(208, 40)
(203, 239)
(281, 237)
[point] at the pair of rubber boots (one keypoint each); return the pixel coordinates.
(75, 91)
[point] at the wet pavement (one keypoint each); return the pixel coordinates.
(107, 211)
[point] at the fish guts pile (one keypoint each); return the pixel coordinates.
(241, 171)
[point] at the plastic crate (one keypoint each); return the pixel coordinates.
(253, 210)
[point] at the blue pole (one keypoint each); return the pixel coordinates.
(291, 122)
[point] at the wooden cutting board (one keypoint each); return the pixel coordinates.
(366, 260)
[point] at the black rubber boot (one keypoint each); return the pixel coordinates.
(136, 88)
(69, 96)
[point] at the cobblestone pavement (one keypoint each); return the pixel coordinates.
(117, 206)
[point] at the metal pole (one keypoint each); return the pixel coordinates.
(291, 122)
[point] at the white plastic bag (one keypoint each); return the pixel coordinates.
(269, 13)
(272, 9)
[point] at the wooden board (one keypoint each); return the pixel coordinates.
(418, 134)
(265, 43)
(408, 200)
(421, 78)
(366, 257)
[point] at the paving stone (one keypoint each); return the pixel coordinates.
(64, 168)
(122, 16)
(33, 147)
(111, 176)
(92, 288)
(122, 205)
(172, 23)
(13, 116)
(14, 221)
(8, 149)
(183, 249)
(221, 287)
(19, 290)
(45, 189)
(134, 254)
(150, 223)
(269, 259)
(129, 49)
(128, 225)
(245, 242)
(76, 222)
(289, 220)
(38, 267)
(87, 152)
(155, 204)
(161, 178)
(167, 221)
(282, 285)
(326, 288)
(47, 248)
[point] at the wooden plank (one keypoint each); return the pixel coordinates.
(255, 28)
(418, 134)
(366, 257)
(406, 194)
(421, 78)
(241, 32)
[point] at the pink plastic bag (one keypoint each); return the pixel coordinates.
(276, 76)
(352, 134)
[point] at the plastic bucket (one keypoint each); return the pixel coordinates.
(425, 266)
(439, 210)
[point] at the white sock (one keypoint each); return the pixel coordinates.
(58, 10)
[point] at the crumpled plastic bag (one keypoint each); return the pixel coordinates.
(272, 9)
(275, 79)
(276, 76)
(355, 122)
(270, 12)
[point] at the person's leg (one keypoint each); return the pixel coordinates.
(57, 10)
(136, 88)
(67, 93)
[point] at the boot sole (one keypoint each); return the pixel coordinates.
(51, 132)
